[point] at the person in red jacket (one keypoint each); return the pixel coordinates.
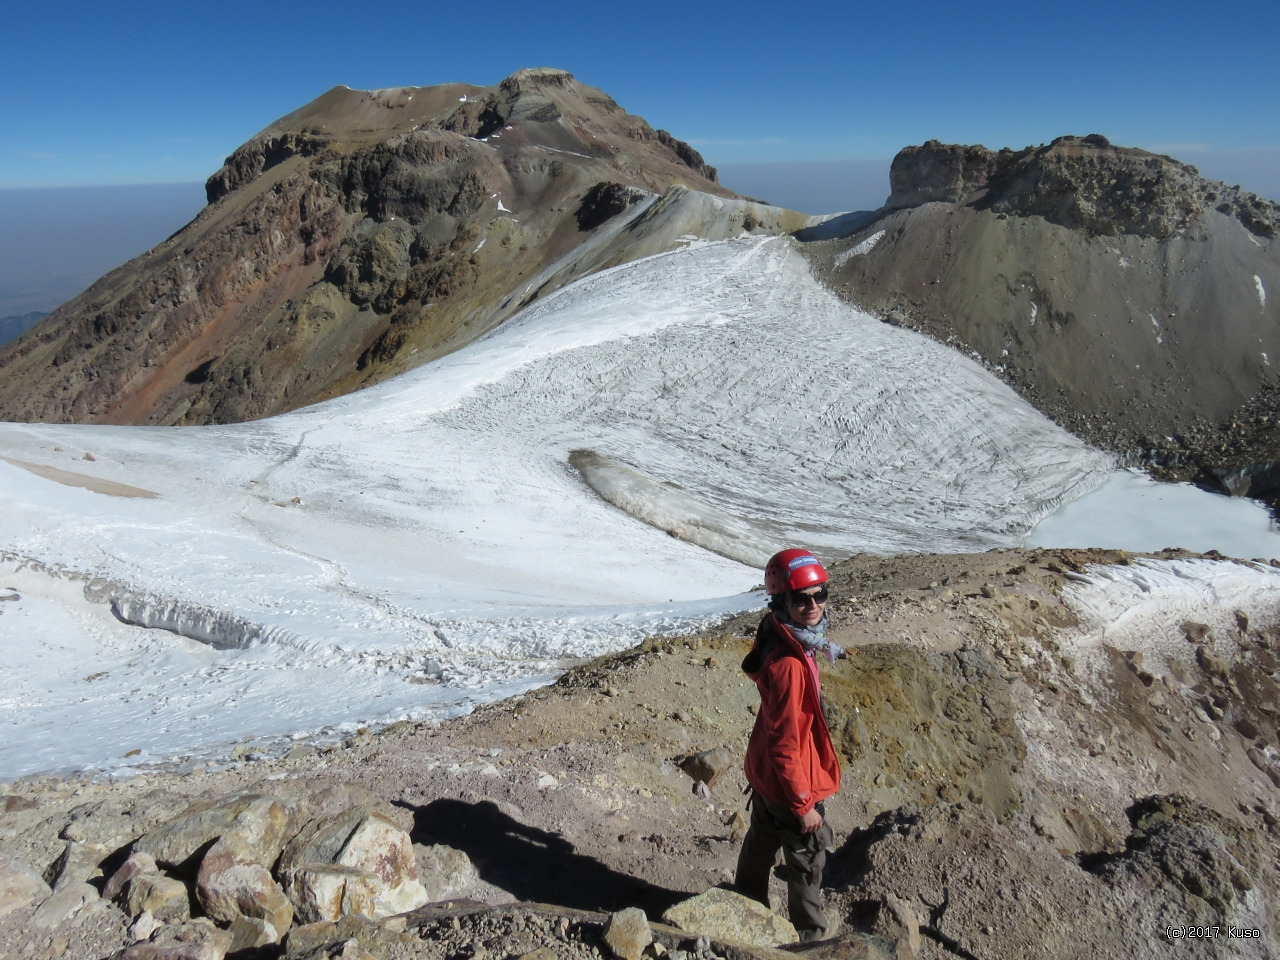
(791, 762)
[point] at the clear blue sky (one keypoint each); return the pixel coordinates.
(139, 91)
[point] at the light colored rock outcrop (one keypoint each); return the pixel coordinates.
(726, 915)
(327, 891)
(79, 863)
(20, 885)
(163, 897)
(136, 865)
(235, 875)
(443, 871)
(627, 933)
(379, 875)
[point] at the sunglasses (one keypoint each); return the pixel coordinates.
(819, 597)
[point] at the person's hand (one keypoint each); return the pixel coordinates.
(811, 821)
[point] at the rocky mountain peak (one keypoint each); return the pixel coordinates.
(362, 234)
(536, 77)
(1078, 182)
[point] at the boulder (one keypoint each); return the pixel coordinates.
(627, 933)
(229, 889)
(20, 885)
(726, 915)
(707, 765)
(195, 940)
(79, 863)
(64, 905)
(444, 872)
(13, 803)
(319, 841)
(136, 865)
(897, 919)
(163, 897)
(1194, 631)
(144, 926)
(305, 940)
(100, 821)
(235, 874)
(177, 843)
(248, 933)
(371, 847)
(382, 848)
(329, 891)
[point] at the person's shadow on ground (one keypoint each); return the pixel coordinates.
(532, 864)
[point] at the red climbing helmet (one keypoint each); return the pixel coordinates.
(792, 570)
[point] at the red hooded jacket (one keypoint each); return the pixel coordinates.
(790, 756)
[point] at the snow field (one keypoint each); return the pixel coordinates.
(425, 544)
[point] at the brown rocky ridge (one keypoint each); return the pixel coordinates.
(360, 236)
(1016, 784)
(1118, 291)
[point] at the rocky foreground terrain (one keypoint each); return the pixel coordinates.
(1021, 779)
(1118, 291)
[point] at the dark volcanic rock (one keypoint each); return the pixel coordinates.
(1078, 182)
(258, 155)
(603, 202)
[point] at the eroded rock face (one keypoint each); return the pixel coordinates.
(1079, 182)
(1212, 862)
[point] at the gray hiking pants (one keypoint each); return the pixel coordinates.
(773, 825)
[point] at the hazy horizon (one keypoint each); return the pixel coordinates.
(56, 241)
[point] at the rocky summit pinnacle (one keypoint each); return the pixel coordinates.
(1116, 290)
(361, 235)
(1083, 182)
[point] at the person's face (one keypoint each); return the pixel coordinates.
(807, 606)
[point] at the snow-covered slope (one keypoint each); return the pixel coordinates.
(432, 528)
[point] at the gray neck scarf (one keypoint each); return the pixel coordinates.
(813, 639)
